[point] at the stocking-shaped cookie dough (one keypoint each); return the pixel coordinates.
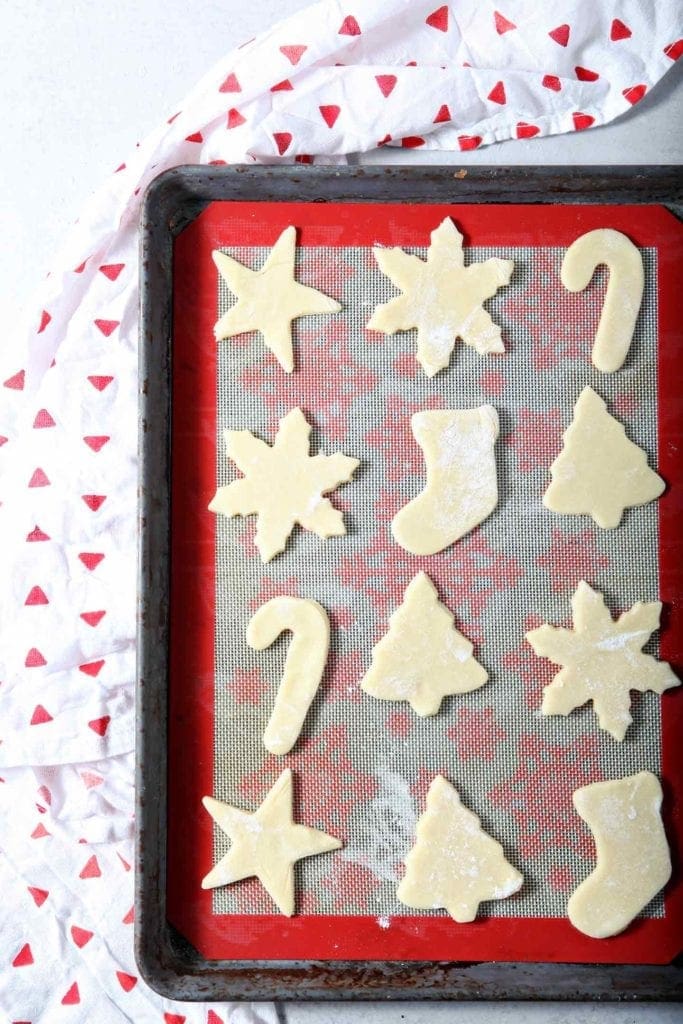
(461, 489)
(423, 658)
(454, 863)
(633, 861)
(599, 472)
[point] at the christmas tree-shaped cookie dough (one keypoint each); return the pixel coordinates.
(269, 299)
(454, 864)
(283, 484)
(602, 660)
(422, 658)
(599, 472)
(267, 843)
(441, 297)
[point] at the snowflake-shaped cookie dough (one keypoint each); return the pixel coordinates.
(601, 660)
(269, 299)
(441, 297)
(267, 843)
(283, 484)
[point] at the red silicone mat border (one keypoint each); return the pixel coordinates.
(191, 724)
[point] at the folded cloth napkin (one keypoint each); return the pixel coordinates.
(331, 80)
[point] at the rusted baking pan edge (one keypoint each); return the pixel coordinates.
(165, 959)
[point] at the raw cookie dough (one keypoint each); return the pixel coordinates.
(269, 299)
(267, 844)
(441, 297)
(599, 472)
(602, 660)
(633, 861)
(422, 658)
(461, 488)
(283, 484)
(454, 863)
(624, 290)
(304, 665)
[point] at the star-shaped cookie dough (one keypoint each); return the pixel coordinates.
(266, 844)
(441, 297)
(283, 484)
(269, 299)
(601, 660)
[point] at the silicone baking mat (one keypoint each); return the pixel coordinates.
(362, 767)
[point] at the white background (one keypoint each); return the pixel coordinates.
(81, 81)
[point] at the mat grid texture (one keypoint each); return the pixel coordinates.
(362, 766)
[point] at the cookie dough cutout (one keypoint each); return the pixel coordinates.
(269, 299)
(624, 290)
(602, 660)
(283, 484)
(422, 658)
(599, 471)
(454, 864)
(266, 844)
(304, 665)
(441, 297)
(633, 861)
(461, 489)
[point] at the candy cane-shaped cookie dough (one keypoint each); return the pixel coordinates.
(624, 290)
(304, 665)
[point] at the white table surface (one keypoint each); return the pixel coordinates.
(81, 82)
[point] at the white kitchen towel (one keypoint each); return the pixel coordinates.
(334, 79)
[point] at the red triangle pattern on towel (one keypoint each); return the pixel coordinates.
(43, 420)
(502, 23)
(72, 997)
(24, 957)
(619, 31)
(438, 19)
(634, 93)
(560, 34)
(40, 716)
(99, 725)
(93, 618)
(235, 119)
(39, 895)
(349, 27)
(386, 83)
(106, 327)
(497, 94)
(230, 84)
(329, 113)
(81, 936)
(111, 270)
(283, 141)
(96, 441)
(91, 868)
(293, 53)
(100, 383)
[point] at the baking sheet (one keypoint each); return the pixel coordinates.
(363, 767)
